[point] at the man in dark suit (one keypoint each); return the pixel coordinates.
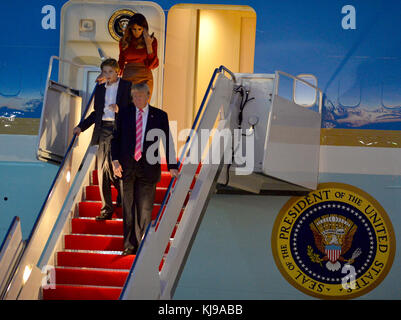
(110, 98)
(136, 159)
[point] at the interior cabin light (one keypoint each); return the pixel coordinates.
(27, 274)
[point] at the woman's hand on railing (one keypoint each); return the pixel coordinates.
(77, 131)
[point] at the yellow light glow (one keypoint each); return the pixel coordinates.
(207, 29)
(27, 273)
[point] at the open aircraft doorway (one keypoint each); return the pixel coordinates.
(199, 38)
(90, 32)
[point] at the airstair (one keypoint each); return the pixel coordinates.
(251, 133)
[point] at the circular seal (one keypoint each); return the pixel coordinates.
(337, 242)
(118, 22)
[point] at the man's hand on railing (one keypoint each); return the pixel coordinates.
(117, 169)
(174, 173)
(77, 131)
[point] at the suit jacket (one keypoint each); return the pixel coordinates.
(123, 99)
(124, 137)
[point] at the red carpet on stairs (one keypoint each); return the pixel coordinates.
(91, 266)
(93, 242)
(110, 278)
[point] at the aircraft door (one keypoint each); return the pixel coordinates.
(199, 38)
(292, 143)
(90, 32)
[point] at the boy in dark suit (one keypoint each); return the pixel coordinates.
(139, 170)
(111, 98)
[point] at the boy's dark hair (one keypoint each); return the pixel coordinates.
(112, 63)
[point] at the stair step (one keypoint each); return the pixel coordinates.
(164, 179)
(93, 194)
(92, 226)
(91, 266)
(88, 209)
(93, 242)
(75, 292)
(94, 277)
(92, 209)
(94, 260)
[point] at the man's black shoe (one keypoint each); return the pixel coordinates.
(127, 252)
(104, 216)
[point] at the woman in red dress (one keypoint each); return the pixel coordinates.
(138, 52)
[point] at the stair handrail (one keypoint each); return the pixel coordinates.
(184, 150)
(70, 147)
(43, 208)
(319, 100)
(10, 250)
(9, 234)
(70, 200)
(202, 110)
(189, 138)
(48, 81)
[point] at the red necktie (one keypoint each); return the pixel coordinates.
(138, 144)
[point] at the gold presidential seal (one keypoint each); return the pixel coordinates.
(118, 23)
(337, 242)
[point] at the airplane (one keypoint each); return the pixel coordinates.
(300, 202)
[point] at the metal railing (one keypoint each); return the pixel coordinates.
(178, 188)
(319, 93)
(52, 144)
(50, 210)
(194, 127)
(10, 251)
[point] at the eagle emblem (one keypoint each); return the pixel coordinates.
(333, 235)
(118, 23)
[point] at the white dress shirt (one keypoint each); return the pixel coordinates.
(144, 121)
(110, 98)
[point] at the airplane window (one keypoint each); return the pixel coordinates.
(92, 76)
(304, 94)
